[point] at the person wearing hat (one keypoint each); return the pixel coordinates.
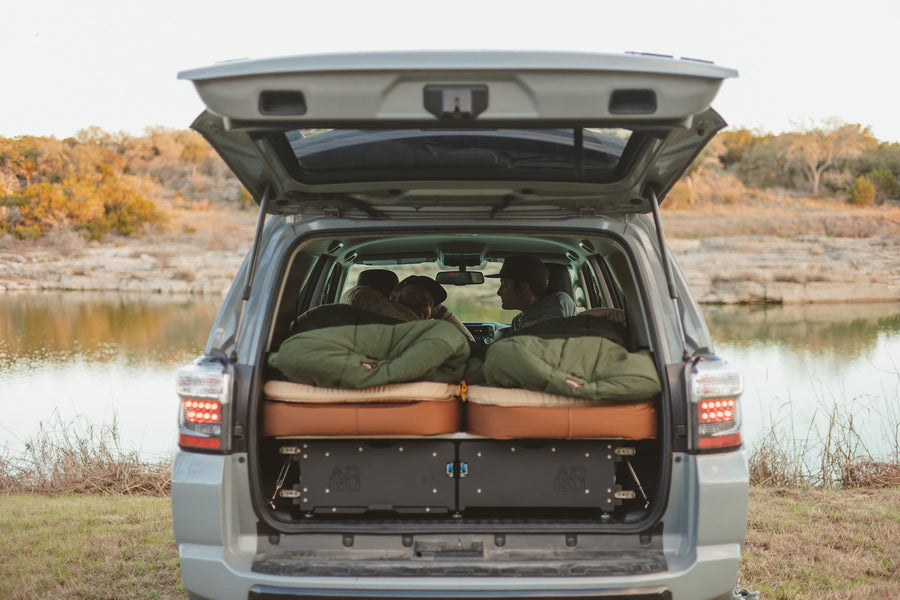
(424, 297)
(523, 286)
(417, 297)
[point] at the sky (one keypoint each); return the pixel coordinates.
(113, 64)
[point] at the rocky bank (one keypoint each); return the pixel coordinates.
(726, 270)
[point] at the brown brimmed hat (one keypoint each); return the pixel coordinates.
(524, 269)
(434, 289)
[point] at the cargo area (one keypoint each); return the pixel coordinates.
(340, 449)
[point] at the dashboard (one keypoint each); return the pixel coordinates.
(485, 332)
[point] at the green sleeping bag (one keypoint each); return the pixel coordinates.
(368, 355)
(581, 367)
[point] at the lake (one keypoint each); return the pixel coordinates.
(83, 360)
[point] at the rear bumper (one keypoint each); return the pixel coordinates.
(215, 530)
(207, 575)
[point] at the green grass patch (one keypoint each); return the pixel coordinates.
(88, 546)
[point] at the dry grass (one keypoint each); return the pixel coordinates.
(822, 544)
(88, 546)
(835, 456)
(80, 458)
(780, 216)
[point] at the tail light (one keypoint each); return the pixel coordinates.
(715, 389)
(204, 391)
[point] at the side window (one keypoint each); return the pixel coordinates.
(312, 289)
(611, 283)
(592, 286)
(333, 284)
(300, 281)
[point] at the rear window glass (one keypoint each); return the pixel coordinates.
(418, 154)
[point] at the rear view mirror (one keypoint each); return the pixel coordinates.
(459, 277)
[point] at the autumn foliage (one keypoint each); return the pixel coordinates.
(828, 159)
(100, 183)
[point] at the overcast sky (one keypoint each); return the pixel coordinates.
(70, 65)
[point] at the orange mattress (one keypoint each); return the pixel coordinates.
(502, 413)
(421, 408)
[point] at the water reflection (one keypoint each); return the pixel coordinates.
(97, 357)
(112, 357)
(101, 328)
(803, 364)
(820, 330)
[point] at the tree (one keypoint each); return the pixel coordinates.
(760, 164)
(709, 159)
(736, 142)
(816, 150)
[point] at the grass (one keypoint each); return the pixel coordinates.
(833, 455)
(94, 546)
(822, 543)
(80, 457)
(813, 544)
(84, 519)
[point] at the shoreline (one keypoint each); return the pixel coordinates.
(720, 270)
(798, 270)
(728, 267)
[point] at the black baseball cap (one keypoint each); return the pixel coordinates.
(524, 269)
(436, 290)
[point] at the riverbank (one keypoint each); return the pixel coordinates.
(801, 544)
(792, 254)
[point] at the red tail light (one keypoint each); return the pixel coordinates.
(204, 391)
(715, 389)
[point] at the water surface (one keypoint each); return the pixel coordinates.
(101, 358)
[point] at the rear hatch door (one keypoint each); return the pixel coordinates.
(421, 134)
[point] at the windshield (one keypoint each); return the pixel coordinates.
(418, 154)
(471, 303)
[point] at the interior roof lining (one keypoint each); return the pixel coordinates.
(552, 246)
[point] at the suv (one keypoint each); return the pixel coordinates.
(329, 451)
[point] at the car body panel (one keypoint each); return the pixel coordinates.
(545, 86)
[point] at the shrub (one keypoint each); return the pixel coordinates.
(110, 205)
(886, 185)
(125, 211)
(862, 191)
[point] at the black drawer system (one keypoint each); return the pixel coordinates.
(343, 477)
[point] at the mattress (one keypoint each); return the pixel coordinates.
(400, 409)
(504, 413)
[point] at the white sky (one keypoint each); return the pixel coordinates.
(67, 65)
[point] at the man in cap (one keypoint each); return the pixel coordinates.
(523, 286)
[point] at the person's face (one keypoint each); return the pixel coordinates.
(512, 296)
(416, 299)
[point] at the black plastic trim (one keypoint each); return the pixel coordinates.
(286, 103)
(268, 592)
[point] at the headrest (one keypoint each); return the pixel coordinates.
(382, 280)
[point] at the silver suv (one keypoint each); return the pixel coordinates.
(328, 449)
